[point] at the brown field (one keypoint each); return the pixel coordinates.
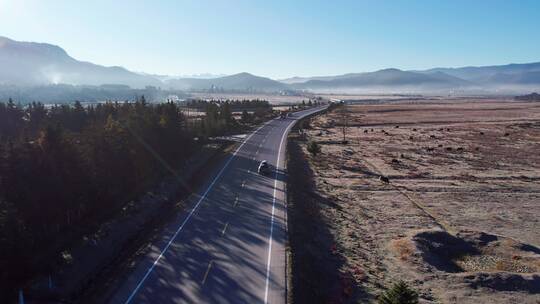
(460, 218)
(362, 97)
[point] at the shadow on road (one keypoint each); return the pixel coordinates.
(220, 255)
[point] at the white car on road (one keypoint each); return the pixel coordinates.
(264, 168)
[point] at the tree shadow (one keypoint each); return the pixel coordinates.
(220, 255)
(506, 282)
(316, 262)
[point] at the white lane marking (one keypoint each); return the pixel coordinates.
(272, 218)
(141, 282)
(224, 229)
(207, 272)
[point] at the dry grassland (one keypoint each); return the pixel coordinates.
(459, 219)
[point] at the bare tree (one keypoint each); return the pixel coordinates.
(345, 117)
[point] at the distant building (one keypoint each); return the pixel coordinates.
(173, 98)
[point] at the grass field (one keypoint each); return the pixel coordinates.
(459, 219)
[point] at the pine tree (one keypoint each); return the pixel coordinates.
(400, 293)
(245, 116)
(225, 113)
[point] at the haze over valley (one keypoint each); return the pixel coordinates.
(29, 65)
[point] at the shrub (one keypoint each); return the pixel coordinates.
(314, 148)
(246, 117)
(400, 293)
(404, 249)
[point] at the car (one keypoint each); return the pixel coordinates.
(264, 168)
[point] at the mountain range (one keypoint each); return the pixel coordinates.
(38, 64)
(237, 82)
(384, 78)
(31, 64)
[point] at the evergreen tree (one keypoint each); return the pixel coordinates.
(400, 293)
(65, 169)
(245, 116)
(225, 113)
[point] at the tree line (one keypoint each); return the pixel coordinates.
(65, 169)
(234, 105)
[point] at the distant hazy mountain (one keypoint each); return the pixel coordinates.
(165, 78)
(202, 76)
(518, 73)
(36, 64)
(237, 82)
(524, 78)
(502, 78)
(386, 78)
(30, 64)
(294, 80)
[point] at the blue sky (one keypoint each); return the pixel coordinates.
(280, 38)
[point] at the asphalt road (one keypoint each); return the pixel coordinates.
(229, 247)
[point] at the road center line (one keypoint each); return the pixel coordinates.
(207, 272)
(188, 217)
(202, 198)
(224, 229)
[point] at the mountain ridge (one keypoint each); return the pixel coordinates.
(36, 64)
(32, 63)
(386, 77)
(240, 82)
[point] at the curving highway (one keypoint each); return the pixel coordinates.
(229, 247)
